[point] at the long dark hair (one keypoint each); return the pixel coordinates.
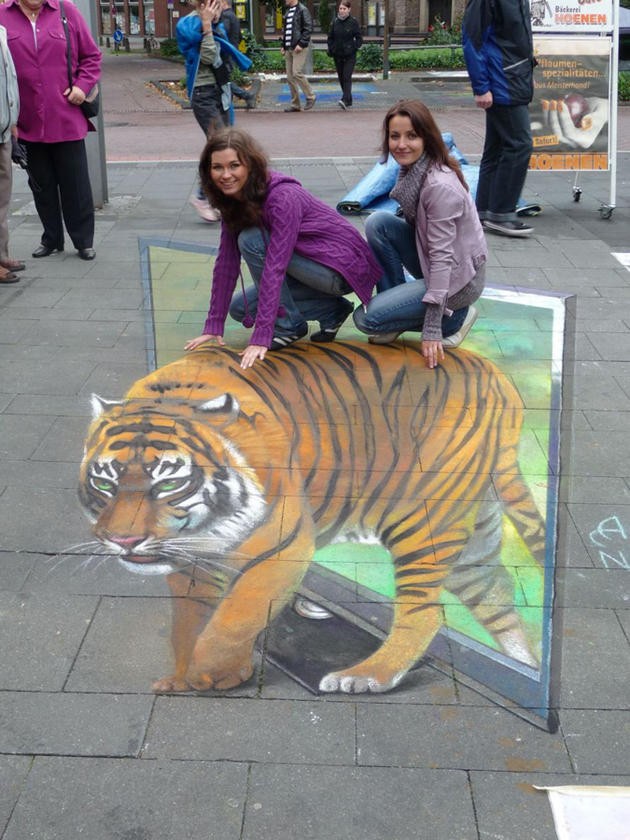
(425, 127)
(237, 213)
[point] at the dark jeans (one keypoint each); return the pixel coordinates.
(504, 162)
(60, 171)
(345, 69)
(206, 106)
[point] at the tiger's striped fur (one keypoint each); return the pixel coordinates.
(228, 479)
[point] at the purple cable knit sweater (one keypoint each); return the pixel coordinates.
(296, 221)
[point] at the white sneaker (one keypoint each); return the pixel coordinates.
(456, 339)
(202, 206)
(383, 337)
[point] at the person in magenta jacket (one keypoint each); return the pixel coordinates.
(302, 256)
(438, 240)
(51, 125)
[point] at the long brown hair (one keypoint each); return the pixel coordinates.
(425, 127)
(244, 212)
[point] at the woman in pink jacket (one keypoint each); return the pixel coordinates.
(438, 240)
(51, 125)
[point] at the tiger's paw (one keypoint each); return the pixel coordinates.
(200, 681)
(169, 685)
(354, 682)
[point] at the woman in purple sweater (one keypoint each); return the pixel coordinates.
(302, 256)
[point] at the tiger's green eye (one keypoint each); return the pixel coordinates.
(169, 485)
(104, 485)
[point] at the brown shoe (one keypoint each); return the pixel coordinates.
(309, 103)
(13, 265)
(8, 276)
(291, 108)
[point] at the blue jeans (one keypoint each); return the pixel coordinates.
(503, 169)
(310, 292)
(398, 305)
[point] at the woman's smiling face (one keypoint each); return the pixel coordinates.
(228, 173)
(405, 145)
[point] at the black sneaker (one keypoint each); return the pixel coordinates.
(330, 333)
(508, 228)
(279, 342)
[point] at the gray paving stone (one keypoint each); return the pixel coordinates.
(113, 381)
(605, 531)
(25, 378)
(358, 802)
(251, 730)
(454, 738)
(608, 421)
(580, 489)
(14, 569)
(83, 573)
(74, 334)
(5, 401)
(41, 638)
(20, 435)
(598, 740)
(59, 521)
(63, 441)
(39, 404)
(57, 313)
(597, 589)
(613, 346)
(507, 805)
(127, 647)
(593, 454)
(40, 723)
(39, 473)
(11, 331)
(13, 773)
(75, 798)
(593, 641)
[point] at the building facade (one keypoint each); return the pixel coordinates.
(159, 17)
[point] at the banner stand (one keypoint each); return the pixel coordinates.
(574, 110)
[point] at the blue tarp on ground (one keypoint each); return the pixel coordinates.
(372, 191)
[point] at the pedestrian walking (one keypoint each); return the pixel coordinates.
(207, 80)
(51, 124)
(296, 42)
(9, 110)
(498, 49)
(303, 257)
(438, 240)
(232, 26)
(344, 40)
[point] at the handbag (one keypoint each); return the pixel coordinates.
(91, 104)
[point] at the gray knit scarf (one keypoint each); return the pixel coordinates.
(408, 185)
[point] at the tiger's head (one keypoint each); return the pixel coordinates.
(164, 484)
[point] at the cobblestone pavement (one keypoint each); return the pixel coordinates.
(86, 750)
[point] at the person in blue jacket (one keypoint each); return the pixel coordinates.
(203, 42)
(498, 49)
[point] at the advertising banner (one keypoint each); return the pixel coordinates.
(572, 16)
(570, 109)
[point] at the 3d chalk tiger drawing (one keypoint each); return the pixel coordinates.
(226, 480)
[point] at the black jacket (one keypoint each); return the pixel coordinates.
(232, 26)
(302, 28)
(344, 37)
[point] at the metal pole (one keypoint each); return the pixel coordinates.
(95, 140)
(386, 41)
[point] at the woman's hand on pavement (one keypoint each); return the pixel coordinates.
(251, 353)
(433, 353)
(202, 339)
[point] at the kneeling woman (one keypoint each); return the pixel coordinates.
(439, 240)
(302, 256)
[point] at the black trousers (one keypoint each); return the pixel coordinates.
(345, 69)
(62, 192)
